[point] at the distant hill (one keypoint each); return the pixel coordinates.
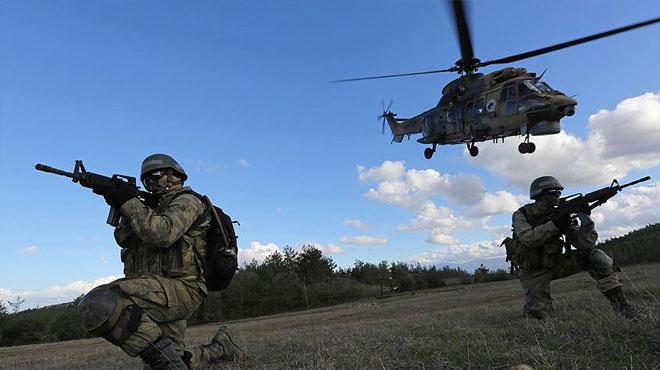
(492, 263)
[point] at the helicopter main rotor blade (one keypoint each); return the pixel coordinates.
(563, 45)
(463, 31)
(452, 69)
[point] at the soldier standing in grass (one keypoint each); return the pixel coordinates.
(163, 246)
(541, 256)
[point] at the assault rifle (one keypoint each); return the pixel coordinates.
(572, 204)
(95, 181)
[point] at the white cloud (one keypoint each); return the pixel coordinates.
(29, 250)
(618, 142)
(205, 166)
(243, 163)
(327, 249)
(498, 202)
(414, 189)
(438, 219)
(363, 240)
(631, 130)
(632, 209)
(104, 259)
(461, 253)
(437, 237)
(257, 251)
(389, 171)
(54, 294)
(353, 222)
(411, 189)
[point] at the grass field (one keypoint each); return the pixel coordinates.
(466, 327)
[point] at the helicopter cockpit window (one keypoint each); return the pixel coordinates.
(544, 87)
(527, 88)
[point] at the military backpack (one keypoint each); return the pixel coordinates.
(221, 260)
(514, 249)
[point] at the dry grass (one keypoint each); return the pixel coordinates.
(477, 326)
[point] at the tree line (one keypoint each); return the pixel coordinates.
(297, 280)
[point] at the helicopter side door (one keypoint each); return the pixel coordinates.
(453, 120)
(474, 111)
(508, 103)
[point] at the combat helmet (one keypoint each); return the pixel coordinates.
(157, 162)
(544, 183)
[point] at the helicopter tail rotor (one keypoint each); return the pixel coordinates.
(386, 112)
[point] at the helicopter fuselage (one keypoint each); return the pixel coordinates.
(478, 107)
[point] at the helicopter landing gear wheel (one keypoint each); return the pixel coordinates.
(531, 147)
(474, 151)
(428, 152)
(526, 147)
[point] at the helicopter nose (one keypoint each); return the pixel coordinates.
(565, 104)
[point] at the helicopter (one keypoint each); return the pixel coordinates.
(477, 107)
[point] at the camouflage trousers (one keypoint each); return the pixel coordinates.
(166, 303)
(536, 283)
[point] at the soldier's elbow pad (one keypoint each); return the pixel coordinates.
(600, 260)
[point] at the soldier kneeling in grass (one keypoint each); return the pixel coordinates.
(537, 249)
(163, 251)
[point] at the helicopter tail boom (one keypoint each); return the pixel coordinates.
(401, 128)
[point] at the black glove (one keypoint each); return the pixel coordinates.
(561, 220)
(116, 197)
(584, 208)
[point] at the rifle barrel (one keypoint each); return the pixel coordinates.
(44, 168)
(646, 178)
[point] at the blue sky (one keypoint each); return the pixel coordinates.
(238, 92)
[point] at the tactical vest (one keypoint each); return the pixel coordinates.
(546, 256)
(184, 258)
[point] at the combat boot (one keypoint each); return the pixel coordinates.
(534, 313)
(620, 303)
(221, 348)
(161, 355)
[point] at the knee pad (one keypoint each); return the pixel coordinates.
(98, 310)
(600, 260)
(104, 311)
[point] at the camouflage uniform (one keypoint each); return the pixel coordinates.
(162, 258)
(164, 284)
(543, 259)
(163, 251)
